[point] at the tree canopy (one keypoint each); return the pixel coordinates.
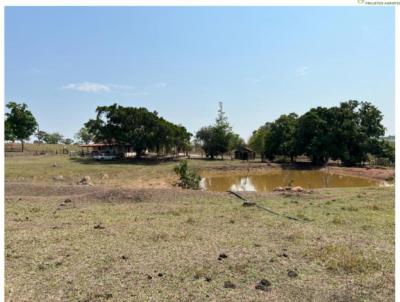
(53, 138)
(137, 127)
(219, 138)
(258, 138)
(20, 123)
(84, 136)
(348, 132)
(280, 139)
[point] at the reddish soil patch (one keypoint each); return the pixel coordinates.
(374, 173)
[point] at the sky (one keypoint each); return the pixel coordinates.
(261, 62)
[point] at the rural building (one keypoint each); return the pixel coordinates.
(244, 153)
(111, 149)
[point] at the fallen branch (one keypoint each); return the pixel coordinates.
(248, 203)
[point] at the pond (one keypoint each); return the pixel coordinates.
(308, 179)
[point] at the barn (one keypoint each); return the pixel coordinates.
(244, 153)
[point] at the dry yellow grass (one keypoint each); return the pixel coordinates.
(128, 244)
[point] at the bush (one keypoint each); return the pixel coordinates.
(188, 179)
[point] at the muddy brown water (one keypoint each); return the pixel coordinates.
(267, 182)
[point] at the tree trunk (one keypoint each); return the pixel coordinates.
(22, 143)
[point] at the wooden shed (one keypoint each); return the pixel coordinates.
(244, 153)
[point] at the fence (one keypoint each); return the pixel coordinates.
(37, 149)
(13, 148)
(381, 162)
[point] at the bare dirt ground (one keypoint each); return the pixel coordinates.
(385, 174)
(116, 241)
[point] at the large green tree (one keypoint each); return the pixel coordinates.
(358, 128)
(348, 132)
(314, 135)
(280, 138)
(138, 127)
(258, 138)
(218, 139)
(20, 123)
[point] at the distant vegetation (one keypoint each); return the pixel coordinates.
(84, 136)
(351, 132)
(52, 138)
(218, 139)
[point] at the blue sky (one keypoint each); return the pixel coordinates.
(260, 61)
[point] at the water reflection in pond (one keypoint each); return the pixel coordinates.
(267, 182)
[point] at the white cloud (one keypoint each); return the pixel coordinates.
(35, 70)
(88, 87)
(130, 90)
(122, 87)
(160, 85)
(255, 80)
(302, 71)
(143, 93)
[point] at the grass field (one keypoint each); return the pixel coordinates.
(134, 237)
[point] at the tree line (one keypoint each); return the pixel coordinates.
(348, 132)
(20, 125)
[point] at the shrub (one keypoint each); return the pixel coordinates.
(188, 179)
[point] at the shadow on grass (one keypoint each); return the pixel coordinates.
(300, 166)
(151, 161)
(127, 161)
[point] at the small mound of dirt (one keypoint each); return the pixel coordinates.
(229, 284)
(86, 181)
(297, 189)
(99, 226)
(292, 274)
(263, 285)
(121, 195)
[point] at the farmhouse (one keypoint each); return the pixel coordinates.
(244, 153)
